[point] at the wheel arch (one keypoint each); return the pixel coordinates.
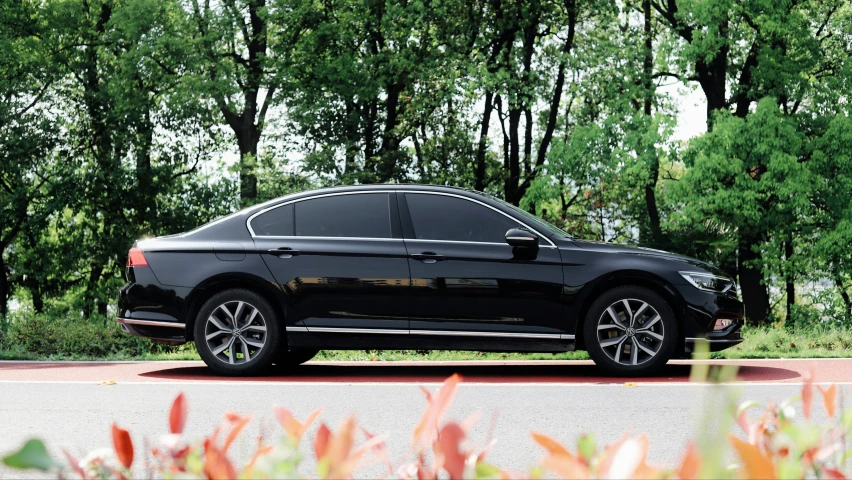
(636, 278)
(219, 283)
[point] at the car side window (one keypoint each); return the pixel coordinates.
(363, 215)
(277, 222)
(440, 217)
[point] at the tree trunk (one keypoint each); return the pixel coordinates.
(556, 98)
(755, 295)
(4, 285)
(651, 152)
(843, 293)
(143, 175)
(479, 181)
(512, 190)
(89, 299)
(351, 133)
(789, 280)
(248, 138)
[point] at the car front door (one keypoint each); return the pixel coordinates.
(466, 280)
(341, 261)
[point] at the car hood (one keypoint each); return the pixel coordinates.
(632, 250)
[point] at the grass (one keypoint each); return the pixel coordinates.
(54, 338)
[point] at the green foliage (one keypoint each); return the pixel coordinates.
(66, 336)
(122, 119)
(33, 455)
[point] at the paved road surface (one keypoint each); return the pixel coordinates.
(65, 404)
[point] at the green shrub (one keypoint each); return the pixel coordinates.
(46, 336)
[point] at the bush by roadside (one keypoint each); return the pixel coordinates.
(48, 337)
(28, 336)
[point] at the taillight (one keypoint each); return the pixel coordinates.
(135, 258)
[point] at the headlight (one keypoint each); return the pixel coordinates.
(706, 281)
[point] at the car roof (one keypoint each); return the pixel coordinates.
(373, 187)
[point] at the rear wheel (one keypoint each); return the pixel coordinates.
(294, 358)
(237, 333)
(630, 331)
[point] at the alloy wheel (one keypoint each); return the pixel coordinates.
(235, 332)
(630, 332)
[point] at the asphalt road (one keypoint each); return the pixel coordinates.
(67, 406)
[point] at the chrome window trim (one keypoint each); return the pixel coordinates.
(335, 194)
(152, 323)
(462, 333)
(378, 331)
(504, 244)
(423, 192)
(552, 245)
(293, 237)
(447, 333)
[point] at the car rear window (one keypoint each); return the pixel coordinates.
(277, 222)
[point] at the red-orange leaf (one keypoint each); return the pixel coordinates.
(829, 399)
(177, 415)
(123, 445)
(448, 453)
(624, 458)
(293, 427)
(549, 444)
(756, 464)
(380, 448)
(690, 465)
(439, 402)
(566, 467)
(833, 474)
(261, 451)
(75, 464)
(216, 463)
(321, 441)
(807, 393)
(238, 427)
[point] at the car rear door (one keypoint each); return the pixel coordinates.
(341, 261)
(466, 280)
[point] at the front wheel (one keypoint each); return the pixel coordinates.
(237, 333)
(630, 331)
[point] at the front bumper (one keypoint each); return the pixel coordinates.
(702, 310)
(718, 339)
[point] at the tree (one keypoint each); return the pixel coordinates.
(28, 136)
(242, 52)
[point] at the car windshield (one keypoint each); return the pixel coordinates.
(536, 221)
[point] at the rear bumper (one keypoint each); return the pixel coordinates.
(167, 333)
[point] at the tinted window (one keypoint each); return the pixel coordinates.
(438, 217)
(277, 222)
(365, 215)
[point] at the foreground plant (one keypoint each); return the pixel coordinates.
(772, 446)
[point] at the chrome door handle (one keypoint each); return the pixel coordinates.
(284, 252)
(427, 257)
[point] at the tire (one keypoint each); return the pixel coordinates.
(635, 342)
(293, 358)
(256, 336)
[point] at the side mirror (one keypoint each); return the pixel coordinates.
(518, 237)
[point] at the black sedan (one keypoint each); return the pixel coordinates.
(417, 267)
